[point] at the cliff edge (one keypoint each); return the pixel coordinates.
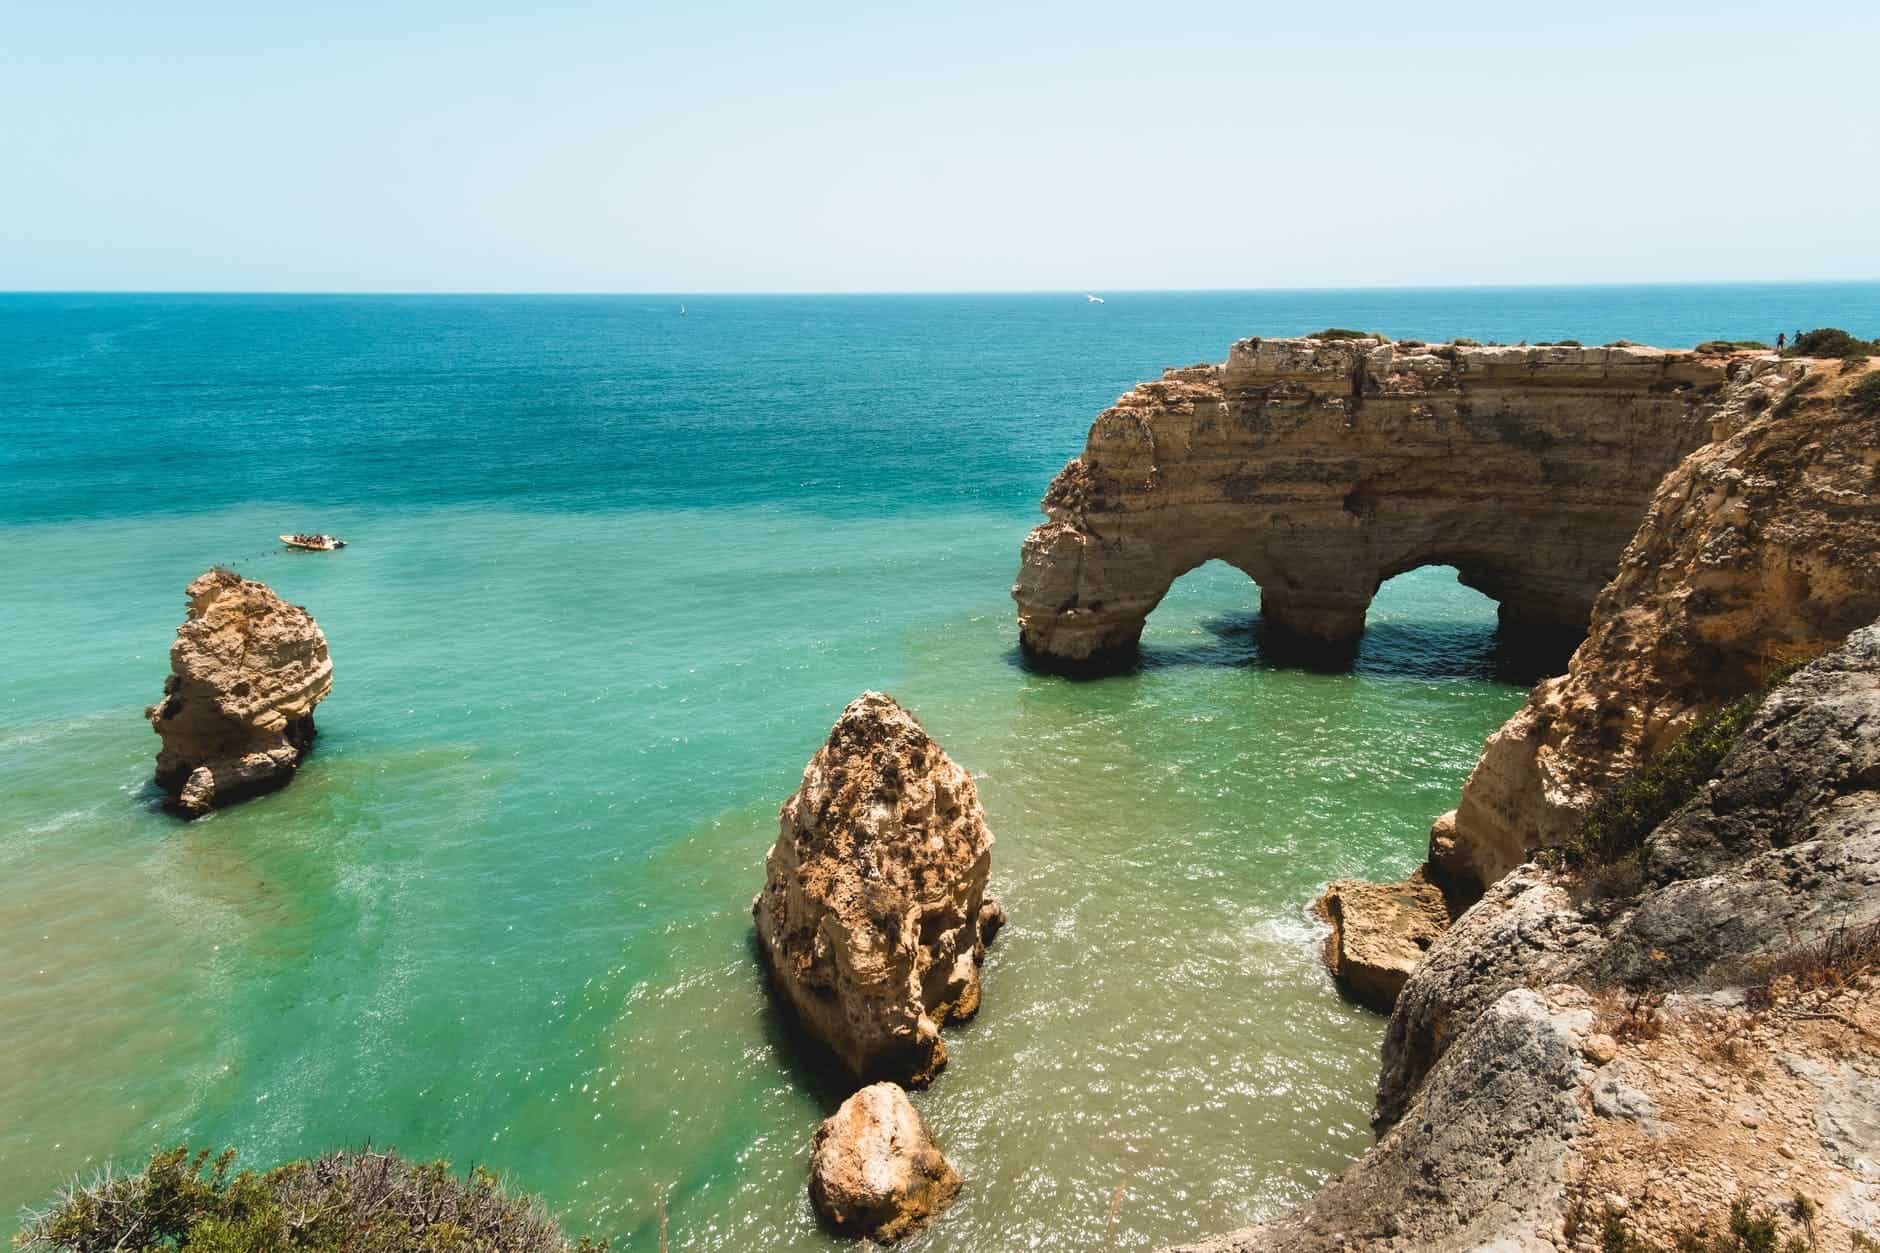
(1758, 549)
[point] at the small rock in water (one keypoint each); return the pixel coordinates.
(874, 1171)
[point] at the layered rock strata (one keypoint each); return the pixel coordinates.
(1758, 549)
(1559, 1056)
(874, 916)
(875, 1172)
(1322, 467)
(236, 718)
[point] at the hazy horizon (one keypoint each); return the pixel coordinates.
(1107, 292)
(581, 149)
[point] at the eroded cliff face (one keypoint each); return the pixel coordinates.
(1559, 1054)
(1323, 467)
(874, 916)
(246, 671)
(1758, 549)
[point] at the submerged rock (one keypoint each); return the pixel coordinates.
(1380, 932)
(875, 1171)
(236, 716)
(874, 915)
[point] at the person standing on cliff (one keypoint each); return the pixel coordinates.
(1780, 338)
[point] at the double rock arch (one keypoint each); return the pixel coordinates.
(1322, 467)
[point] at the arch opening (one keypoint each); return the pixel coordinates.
(1441, 619)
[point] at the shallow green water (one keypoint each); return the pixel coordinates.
(503, 914)
(611, 578)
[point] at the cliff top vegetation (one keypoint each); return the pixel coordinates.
(358, 1201)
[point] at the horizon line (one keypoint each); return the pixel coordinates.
(598, 293)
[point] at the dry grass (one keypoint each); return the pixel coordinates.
(1829, 964)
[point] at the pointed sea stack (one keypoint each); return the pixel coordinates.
(236, 716)
(874, 916)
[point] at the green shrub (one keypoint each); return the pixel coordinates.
(1340, 332)
(1750, 1229)
(1732, 345)
(1829, 341)
(1864, 396)
(348, 1202)
(1614, 830)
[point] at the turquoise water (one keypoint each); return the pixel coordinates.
(613, 574)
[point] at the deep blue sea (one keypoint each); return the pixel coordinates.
(613, 572)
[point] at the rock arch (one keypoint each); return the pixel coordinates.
(1322, 467)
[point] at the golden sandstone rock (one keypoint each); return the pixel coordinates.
(236, 716)
(874, 916)
(875, 1171)
(1322, 467)
(1380, 932)
(1759, 549)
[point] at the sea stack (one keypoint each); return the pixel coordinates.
(874, 916)
(236, 716)
(875, 1172)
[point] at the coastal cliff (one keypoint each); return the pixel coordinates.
(246, 671)
(1567, 1069)
(1322, 466)
(1665, 1026)
(1760, 548)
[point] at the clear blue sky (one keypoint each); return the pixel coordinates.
(804, 147)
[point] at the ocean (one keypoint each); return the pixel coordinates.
(613, 572)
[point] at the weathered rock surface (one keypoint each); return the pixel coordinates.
(874, 916)
(1323, 467)
(1781, 848)
(1499, 1098)
(875, 1171)
(1380, 932)
(1485, 1163)
(236, 717)
(1757, 549)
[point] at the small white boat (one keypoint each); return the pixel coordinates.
(1095, 300)
(314, 543)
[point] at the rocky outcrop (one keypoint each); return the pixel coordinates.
(874, 1171)
(1757, 549)
(1559, 1054)
(1380, 932)
(1322, 467)
(874, 915)
(236, 717)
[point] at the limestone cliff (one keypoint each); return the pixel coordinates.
(1757, 549)
(246, 672)
(1562, 1063)
(874, 915)
(1322, 467)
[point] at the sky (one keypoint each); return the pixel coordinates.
(716, 147)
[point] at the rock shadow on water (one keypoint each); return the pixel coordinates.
(811, 1064)
(1489, 652)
